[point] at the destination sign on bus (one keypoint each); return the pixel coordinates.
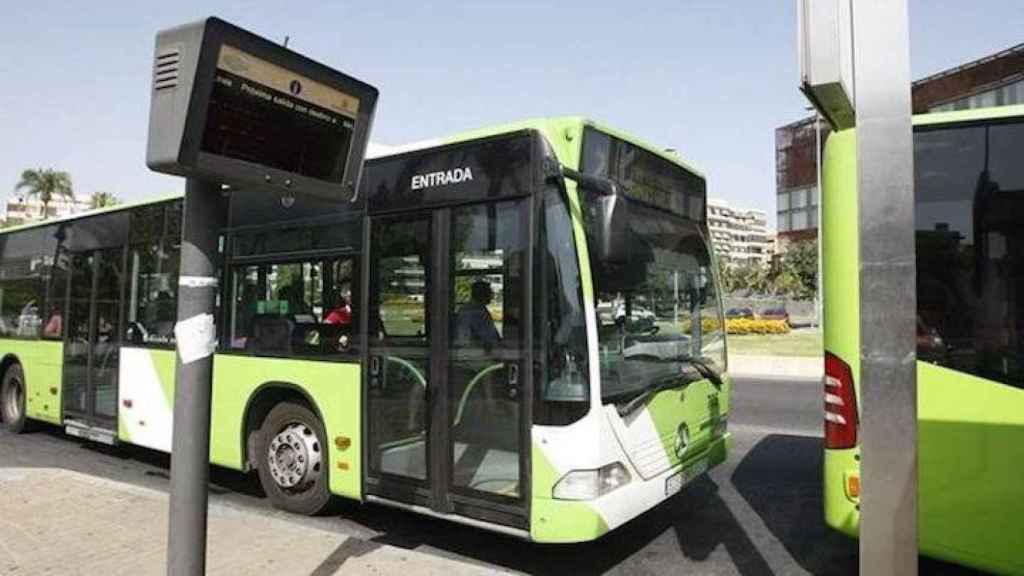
(234, 108)
(486, 169)
(643, 175)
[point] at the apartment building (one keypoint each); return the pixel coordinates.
(20, 210)
(739, 235)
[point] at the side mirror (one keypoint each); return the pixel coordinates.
(609, 217)
(612, 238)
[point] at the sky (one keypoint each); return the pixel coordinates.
(712, 79)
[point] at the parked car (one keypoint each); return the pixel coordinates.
(740, 313)
(775, 314)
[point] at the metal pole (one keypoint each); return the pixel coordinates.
(194, 333)
(888, 503)
(819, 296)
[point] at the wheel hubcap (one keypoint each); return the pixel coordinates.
(294, 457)
(12, 401)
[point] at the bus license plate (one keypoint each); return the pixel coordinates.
(675, 482)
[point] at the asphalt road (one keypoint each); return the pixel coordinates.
(758, 513)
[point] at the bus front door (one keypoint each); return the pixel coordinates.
(446, 378)
(91, 343)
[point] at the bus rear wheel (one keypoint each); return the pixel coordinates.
(292, 456)
(12, 399)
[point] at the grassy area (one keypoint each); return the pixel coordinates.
(803, 342)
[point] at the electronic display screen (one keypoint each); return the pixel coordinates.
(644, 176)
(262, 113)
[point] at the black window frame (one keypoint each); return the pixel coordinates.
(932, 355)
(171, 219)
(352, 354)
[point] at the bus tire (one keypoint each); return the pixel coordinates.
(292, 459)
(12, 399)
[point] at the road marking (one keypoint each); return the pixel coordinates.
(765, 430)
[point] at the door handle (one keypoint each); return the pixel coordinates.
(512, 391)
(374, 379)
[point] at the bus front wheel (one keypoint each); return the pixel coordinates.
(12, 399)
(293, 459)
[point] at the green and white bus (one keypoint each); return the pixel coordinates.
(517, 328)
(969, 222)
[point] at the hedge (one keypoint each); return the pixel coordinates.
(741, 326)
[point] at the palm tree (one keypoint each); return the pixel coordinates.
(102, 200)
(47, 184)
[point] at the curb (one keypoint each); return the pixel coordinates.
(805, 367)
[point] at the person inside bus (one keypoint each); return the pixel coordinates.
(55, 325)
(296, 299)
(473, 324)
(341, 314)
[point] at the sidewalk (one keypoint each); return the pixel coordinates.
(55, 521)
(776, 366)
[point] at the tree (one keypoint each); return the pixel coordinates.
(801, 262)
(102, 200)
(793, 274)
(47, 184)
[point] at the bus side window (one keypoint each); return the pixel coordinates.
(969, 189)
(153, 303)
(293, 308)
(154, 257)
(20, 315)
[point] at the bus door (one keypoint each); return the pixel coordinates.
(447, 373)
(92, 339)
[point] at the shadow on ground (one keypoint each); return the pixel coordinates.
(694, 532)
(781, 479)
(694, 523)
(222, 480)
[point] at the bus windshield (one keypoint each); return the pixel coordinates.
(659, 313)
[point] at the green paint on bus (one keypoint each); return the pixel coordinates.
(333, 388)
(970, 429)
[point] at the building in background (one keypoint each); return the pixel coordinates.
(20, 210)
(996, 80)
(738, 235)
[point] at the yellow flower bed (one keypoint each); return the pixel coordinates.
(706, 325)
(749, 326)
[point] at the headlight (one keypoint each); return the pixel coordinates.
(589, 484)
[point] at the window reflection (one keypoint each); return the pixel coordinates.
(659, 309)
(564, 392)
(487, 246)
(399, 305)
(154, 257)
(488, 256)
(969, 205)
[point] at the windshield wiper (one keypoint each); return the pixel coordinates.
(642, 398)
(704, 368)
(699, 364)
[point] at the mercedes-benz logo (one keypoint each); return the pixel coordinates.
(682, 442)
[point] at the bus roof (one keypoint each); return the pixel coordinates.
(95, 211)
(561, 132)
(972, 115)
